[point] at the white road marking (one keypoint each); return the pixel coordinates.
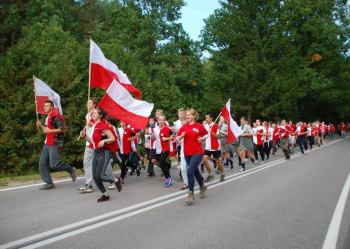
(331, 239)
(76, 228)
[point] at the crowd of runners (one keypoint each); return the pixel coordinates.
(194, 145)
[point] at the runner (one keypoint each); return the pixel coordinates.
(125, 139)
(227, 149)
(180, 148)
(260, 133)
(275, 138)
(101, 138)
(267, 139)
(54, 129)
(246, 143)
(212, 149)
(165, 136)
(284, 132)
(89, 149)
(343, 129)
(193, 134)
(148, 147)
(301, 132)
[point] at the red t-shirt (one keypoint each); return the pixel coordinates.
(113, 147)
(165, 132)
(314, 131)
(192, 133)
(97, 133)
(284, 131)
(343, 127)
(275, 134)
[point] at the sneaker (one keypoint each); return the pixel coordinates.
(222, 178)
(132, 172)
(119, 184)
(202, 191)
(112, 186)
(150, 175)
(168, 182)
(138, 173)
(103, 198)
(87, 189)
(73, 174)
(209, 178)
(47, 186)
(189, 198)
(255, 162)
(241, 170)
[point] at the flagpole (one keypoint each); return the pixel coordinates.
(36, 104)
(217, 117)
(89, 69)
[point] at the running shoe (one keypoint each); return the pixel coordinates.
(87, 189)
(119, 184)
(242, 170)
(202, 191)
(112, 186)
(47, 186)
(184, 187)
(209, 178)
(222, 178)
(103, 198)
(168, 182)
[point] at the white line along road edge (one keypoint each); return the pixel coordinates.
(331, 239)
(73, 229)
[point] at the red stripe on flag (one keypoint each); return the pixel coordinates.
(118, 112)
(102, 78)
(40, 101)
(226, 114)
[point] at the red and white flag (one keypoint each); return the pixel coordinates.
(103, 71)
(119, 104)
(234, 131)
(43, 93)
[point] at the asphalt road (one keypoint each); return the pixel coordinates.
(280, 204)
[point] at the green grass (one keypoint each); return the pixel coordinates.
(16, 180)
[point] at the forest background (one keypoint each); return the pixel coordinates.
(274, 59)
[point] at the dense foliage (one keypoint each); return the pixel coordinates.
(273, 58)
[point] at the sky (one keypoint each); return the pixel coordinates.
(193, 14)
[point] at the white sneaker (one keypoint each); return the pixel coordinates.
(112, 186)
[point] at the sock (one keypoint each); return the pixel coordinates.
(105, 194)
(239, 160)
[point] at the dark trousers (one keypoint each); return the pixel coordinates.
(274, 147)
(260, 148)
(311, 141)
(267, 149)
(124, 165)
(99, 167)
(255, 147)
(302, 143)
(193, 171)
(50, 159)
(164, 164)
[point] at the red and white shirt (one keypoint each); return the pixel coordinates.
(155, 139)
(260, 138)
(192, 132)
(113, 147)
(211, 142)
(124, 140)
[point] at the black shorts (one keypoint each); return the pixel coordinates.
(216, 153)
(147, 151)
(153, 154)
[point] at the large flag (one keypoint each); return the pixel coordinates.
(103, 71)
(43, 93)
(234, 131)
(119, 104)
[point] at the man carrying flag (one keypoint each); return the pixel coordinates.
(54, 128)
